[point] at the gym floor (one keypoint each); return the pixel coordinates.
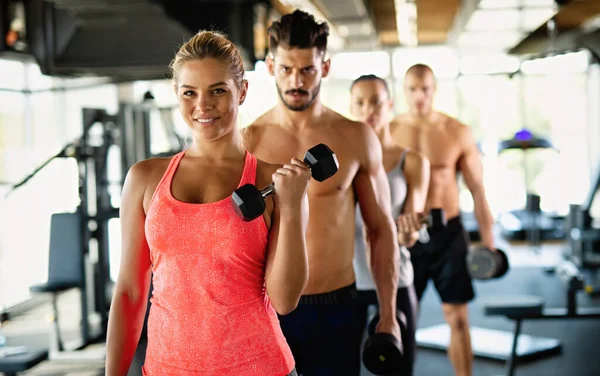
(580, 338)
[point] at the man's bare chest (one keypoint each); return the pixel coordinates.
(282, 150)
(441, 148)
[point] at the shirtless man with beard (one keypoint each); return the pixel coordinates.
(321, 331)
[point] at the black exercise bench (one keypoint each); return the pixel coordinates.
(19, 361)
(525, 307)
(66, 271)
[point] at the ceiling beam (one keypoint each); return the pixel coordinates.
(463, 14)
(570, 17)
(384, 14)
(435, 19)
(281, 8)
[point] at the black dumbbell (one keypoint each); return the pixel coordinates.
(249, 202)
(485, 264)
(382, 353)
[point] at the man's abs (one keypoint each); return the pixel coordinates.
(330, 243)
(443, 191)
(438, 141)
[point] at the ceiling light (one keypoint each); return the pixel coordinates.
(509, 19)
(351, 65)
(499, 4)
(499, 19)
(406, 22)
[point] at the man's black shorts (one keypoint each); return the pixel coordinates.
(443, 259)
(324, 333)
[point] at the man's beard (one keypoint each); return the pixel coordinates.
(301, 107)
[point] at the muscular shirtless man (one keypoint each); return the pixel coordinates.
(321, 331)
(450, 148)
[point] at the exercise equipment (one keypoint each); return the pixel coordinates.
(137, 132)
(521, 307)
(485, 264)
(17, 359)
(91, 152)
(382, 353)
(529, 223)
(513, 347)
(79, 242)
(249, 202)
(65, 265)
(584, 239)
(436, 220)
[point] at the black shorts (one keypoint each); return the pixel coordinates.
(322, 333)
(406, 302)
(443, 259)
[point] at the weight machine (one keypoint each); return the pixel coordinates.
(584, 240)
(128, 133)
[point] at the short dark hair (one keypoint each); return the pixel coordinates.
(298, 30)
(419, 70)
(370, 77)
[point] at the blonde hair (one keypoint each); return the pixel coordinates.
(210, 45)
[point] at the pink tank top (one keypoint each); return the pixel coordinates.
(210, 313)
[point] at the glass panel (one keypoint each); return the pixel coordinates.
(443, 61)
(490, 40)
(489, 64)
(351, 65)
(12, 75)
(545, 100)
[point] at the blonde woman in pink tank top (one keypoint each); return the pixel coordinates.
(219, 281)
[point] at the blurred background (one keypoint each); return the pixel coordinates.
(84, 92)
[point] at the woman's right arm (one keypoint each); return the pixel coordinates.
(286, 269)
(130, 296)
(417, 173)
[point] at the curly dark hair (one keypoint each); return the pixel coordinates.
(298, 30)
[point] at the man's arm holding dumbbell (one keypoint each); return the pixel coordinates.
(373, 194)
(286, 272)
(472, 171)
(416, 172)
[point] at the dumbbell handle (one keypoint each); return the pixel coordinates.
(425, 221)
(423, 233)
(268, 191)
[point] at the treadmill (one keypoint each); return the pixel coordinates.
(530, 223)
